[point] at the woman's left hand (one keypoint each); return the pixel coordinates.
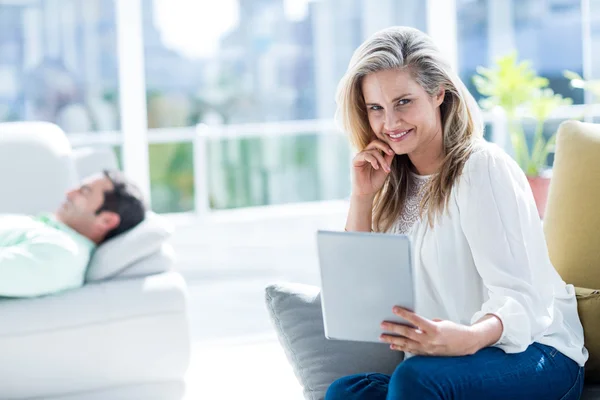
(431, 337)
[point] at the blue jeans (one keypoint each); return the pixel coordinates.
(540, 372)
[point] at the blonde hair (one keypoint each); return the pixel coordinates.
(399, 48)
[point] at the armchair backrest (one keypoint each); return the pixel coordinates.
(572, 220)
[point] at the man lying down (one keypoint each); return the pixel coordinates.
(49, 253)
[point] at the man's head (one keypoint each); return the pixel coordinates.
(104, 206)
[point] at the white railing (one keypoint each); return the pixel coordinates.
(202, 134)
(206, 133)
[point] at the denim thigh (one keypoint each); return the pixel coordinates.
(540, 372)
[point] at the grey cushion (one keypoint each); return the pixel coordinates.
(120, 252)
(295, 311)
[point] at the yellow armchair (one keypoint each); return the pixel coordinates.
(572, 225)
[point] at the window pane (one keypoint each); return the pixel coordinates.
(252, 172)
(595, 45)
(546, 32)
(58, 63)
(265, 171)
(172, 177)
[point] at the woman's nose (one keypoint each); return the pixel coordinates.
(391, 121)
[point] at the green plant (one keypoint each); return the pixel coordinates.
(591, 85)
(516, 88)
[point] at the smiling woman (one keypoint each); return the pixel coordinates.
(492, 315)
(404, 100)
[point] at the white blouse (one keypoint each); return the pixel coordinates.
(487, 255)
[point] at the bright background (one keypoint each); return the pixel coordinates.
(180, 63)
(223, 112)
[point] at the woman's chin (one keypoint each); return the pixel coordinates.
(401, 148)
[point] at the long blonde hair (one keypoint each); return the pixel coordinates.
(399, 48)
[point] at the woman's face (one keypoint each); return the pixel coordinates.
(400, 111)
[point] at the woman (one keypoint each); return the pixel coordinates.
(494, 320)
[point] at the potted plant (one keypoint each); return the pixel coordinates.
(516, 89)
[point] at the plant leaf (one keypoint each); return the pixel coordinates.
(571, 75)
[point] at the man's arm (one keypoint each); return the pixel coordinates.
(40, 267)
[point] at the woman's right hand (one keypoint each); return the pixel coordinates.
(371, 168)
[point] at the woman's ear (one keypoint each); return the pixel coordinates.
(439, 97)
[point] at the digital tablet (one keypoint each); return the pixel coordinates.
(363, 276)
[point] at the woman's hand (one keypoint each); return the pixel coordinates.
(370, 168)
(431, 337)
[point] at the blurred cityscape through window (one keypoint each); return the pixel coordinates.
(58, 63)
(249, 61)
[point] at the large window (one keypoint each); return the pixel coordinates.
(258, 70)
(255, 61)
(58, 63)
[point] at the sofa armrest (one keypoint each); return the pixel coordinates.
(111, 334)
(94, 303)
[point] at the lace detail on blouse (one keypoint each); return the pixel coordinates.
(410, 214)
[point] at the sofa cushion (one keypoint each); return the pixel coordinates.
(572, 215)
(118, 253)
(295, 311)
(156, 263)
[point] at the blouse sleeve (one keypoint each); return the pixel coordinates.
(499, 220)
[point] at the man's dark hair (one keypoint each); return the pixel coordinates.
(126, 200)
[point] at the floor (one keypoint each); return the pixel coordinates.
(228, 260)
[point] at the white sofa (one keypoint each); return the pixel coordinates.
(124, 334)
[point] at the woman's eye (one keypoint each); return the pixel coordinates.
(375, 108)
(403, 102)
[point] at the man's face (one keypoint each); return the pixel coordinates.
(81, 204)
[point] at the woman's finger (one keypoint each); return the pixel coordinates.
(378, 144)
(422, 323)
(402, 330)
(368, 157)
(401, 342)
(390, 157)
(412, 350)
(380, 158)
